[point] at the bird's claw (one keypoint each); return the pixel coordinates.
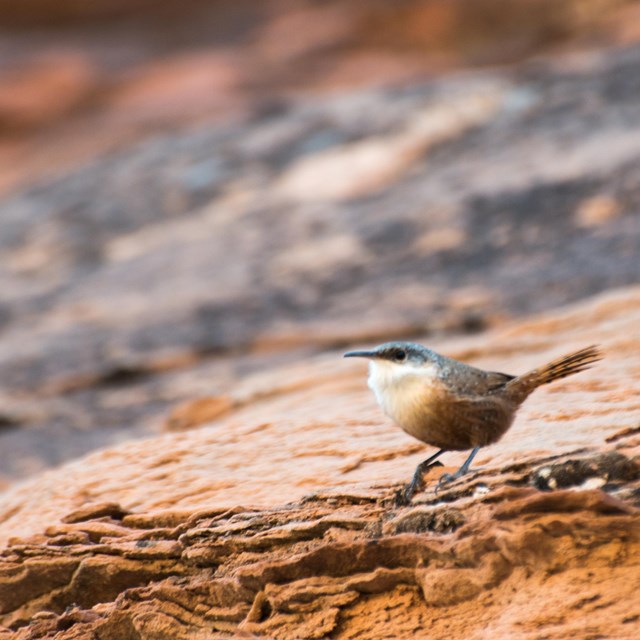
(402, 497)
(446, 478)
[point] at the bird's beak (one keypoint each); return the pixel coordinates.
(360, 354)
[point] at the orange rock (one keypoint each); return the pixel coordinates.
(286, 573)
(196, 412)
(596, 211)
(316, 427)
(44, 91)
(159, 544)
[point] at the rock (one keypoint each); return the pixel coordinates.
(319, 421)
(608, 467)
(200, 60)
(210, 530)
(366, 167)
(596, 210)
(424, 519)
(175, 268)
(196, 412)
(315, 570)
(45, 91)
(204, 277)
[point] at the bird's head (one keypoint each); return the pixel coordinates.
(401, 374)
(398, 353)
(392, 362)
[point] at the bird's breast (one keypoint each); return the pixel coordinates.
(407, 396)
(420, 403)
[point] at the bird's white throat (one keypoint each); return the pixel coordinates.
(398, 386)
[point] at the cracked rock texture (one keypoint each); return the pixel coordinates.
(518, 564)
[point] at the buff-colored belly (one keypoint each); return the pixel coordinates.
(426, 411)
(412, 403)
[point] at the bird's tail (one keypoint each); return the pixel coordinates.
(575, 362)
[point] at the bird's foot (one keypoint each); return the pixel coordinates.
(446, 478)
(403, 496)
(450, 477)
(400, 499)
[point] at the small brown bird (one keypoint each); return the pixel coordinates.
(452, 405)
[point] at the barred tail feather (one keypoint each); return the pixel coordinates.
(560, 368)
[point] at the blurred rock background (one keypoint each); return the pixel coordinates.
(192, 192)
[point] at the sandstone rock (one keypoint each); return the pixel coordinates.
(292, 415)
(46, 90)
(191, 281)
(198, 60)
(278, 519)
(319, 569)
(196, 412)
(176, 268)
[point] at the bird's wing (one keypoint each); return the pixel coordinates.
(496, 380)
(469, 381)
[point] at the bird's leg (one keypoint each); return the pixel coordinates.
(403, 497)
(450, 477)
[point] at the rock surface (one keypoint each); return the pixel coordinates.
(558, 565)
(284, 179)
(80, 79)
(277, 519)
(179, 266)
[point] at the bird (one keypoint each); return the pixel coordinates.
(452, 405)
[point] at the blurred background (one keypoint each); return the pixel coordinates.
(193, 191)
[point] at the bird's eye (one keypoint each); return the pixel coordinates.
(400, 355)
